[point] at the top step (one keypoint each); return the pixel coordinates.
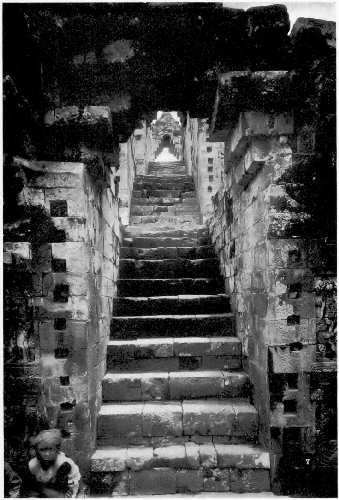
(166, 168)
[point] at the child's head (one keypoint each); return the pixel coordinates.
(47, 445)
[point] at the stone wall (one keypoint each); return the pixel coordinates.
(272, 272)
(58, 350)
(127, 173)
(134, 156)
(205, 161)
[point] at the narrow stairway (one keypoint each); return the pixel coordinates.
(176, 415)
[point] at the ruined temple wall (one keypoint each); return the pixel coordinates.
(127, 172)
(75, 279)
(267, 271)
(134, 156)
(204, 160)
(150, 146)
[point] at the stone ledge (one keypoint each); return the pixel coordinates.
(51, 167)
(174, 385)
(183, 456)
(326, 28)
(16, 252)
(214, 417)
(260, 91)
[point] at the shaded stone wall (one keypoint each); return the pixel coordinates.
(74, 278)
(23, 411)
(127, 173)
(272, 271)
(134, 156)
(205, 161)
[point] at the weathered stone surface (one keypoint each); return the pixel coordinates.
(200, 384)
(214, 346)
(241, 457)
(120, 387)
(157, 326)
(326, 28)
(208, 455)
(110, 484)
(182, 304)
(119, 420)
(150, 287)
(94, 114)
(192, 455)
(206, 418)
(161, 481)
(161, 419)
(170, 456)
(260, 91)
(291, 358)
(155, 386)
(109, 459)
(168, 268)
(63, 115)
(271, 19)
(189, 481)
(139, 458)
(218, 481)
(20, 250)
(247, 481)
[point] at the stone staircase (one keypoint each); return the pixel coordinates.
(176, 414)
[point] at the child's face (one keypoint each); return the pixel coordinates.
(46, 454)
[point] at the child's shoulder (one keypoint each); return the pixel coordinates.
(62, 458)
(34, 464)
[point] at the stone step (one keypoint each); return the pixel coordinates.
(168, 171)
(188, 455)
(169, 440)
(199, 325)
(166, 164)
(148, 209)
(169, 268)
(202, 252)
(174, 385)
(164, 193)
(182, 304)
(170, 167)
(160, 482)
(157, 170)
(158, 201)
(191, 363)
(173, 354)
(164, 241)
(184, 209)
(175, 220)
(212, 417)
(145, 287)
(171, 178)
(142, 210)
(190, 468)
(197, 232)
(162, 201)
(169, 183)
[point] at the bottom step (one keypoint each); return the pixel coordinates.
(179, 469)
